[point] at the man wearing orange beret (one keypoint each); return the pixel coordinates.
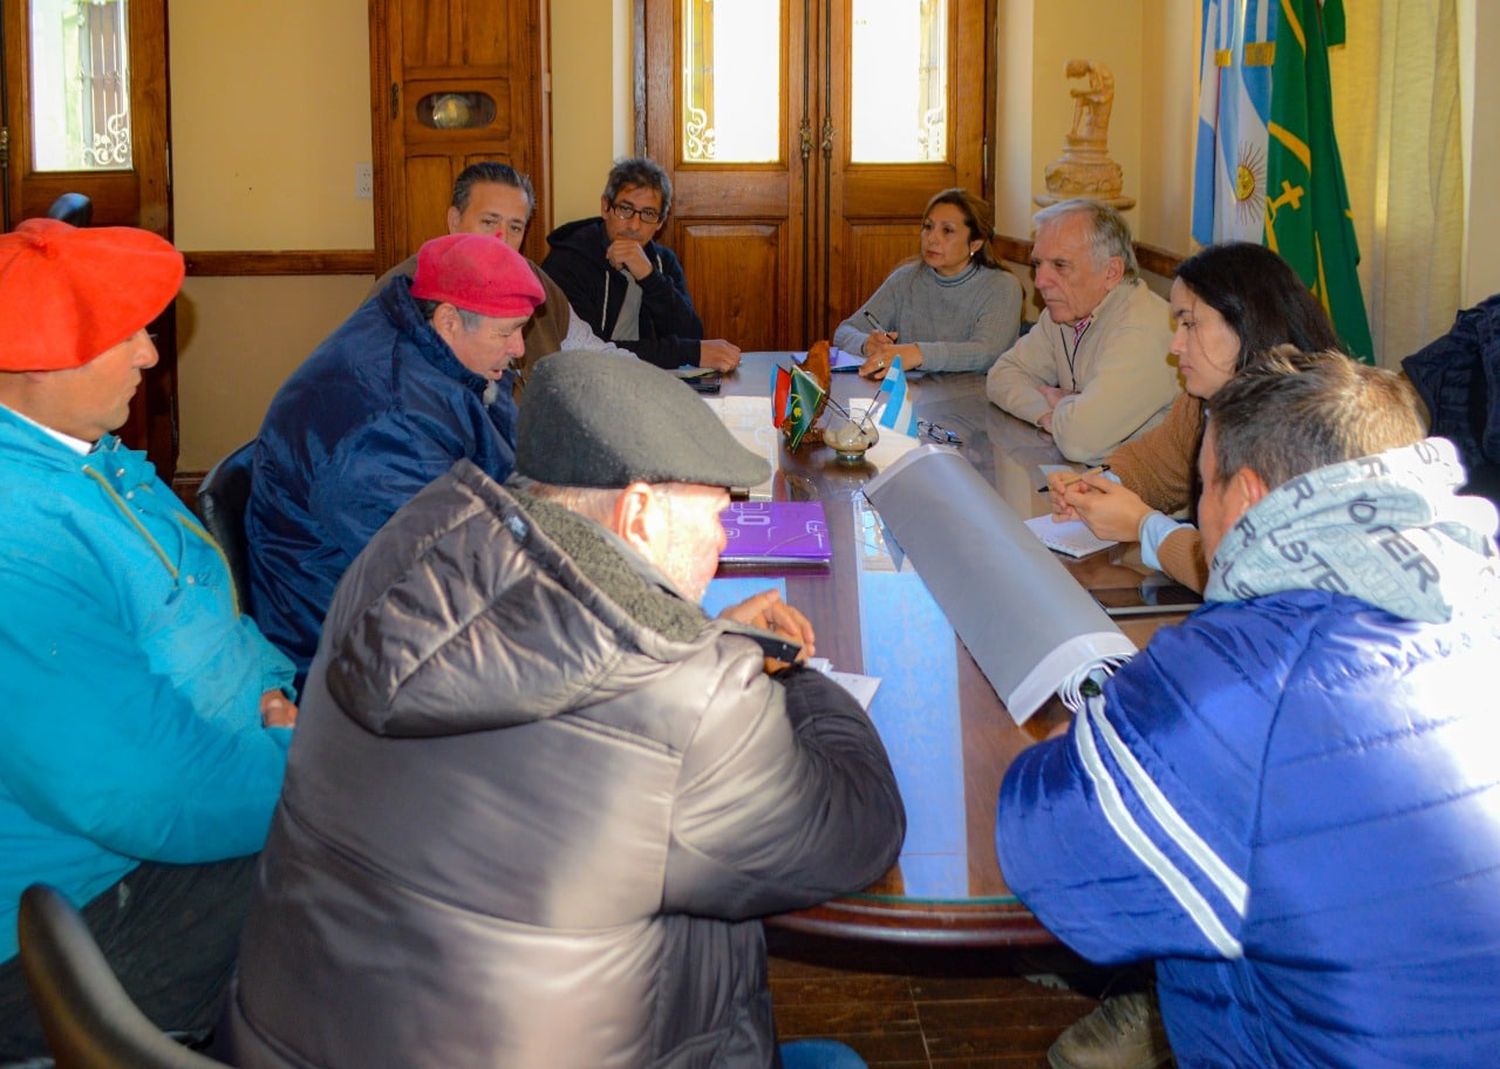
(417, 378)
(143, 720)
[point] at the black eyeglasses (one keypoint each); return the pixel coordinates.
(649, 216)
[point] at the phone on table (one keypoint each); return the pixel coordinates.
(1149, 597)
(706, 383)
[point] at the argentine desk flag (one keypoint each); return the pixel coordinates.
(1234, 107)
(897, 412)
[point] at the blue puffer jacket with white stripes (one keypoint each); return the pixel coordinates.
(1293, 803)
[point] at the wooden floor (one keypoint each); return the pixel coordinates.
(915, 1009)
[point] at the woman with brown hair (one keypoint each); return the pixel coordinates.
(951, 308)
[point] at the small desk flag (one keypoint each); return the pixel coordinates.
(802, 405)
(781, 389)
(897, 413)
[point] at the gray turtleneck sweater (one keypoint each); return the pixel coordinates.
(961, 325)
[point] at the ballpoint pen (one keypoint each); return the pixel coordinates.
(1100, 470)
(870, 319)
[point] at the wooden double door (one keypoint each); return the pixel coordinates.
(803, 141)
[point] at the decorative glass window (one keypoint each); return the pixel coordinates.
(899, 83)
(731, 81)
(80, 85)
(456, 110)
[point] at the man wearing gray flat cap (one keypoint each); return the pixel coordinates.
(538, 802)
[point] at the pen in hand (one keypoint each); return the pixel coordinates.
(1075, 476)
(870, 319)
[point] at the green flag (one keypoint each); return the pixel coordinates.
(802, 407)
(1307, 202)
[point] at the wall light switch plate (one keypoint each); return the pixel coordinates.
(364, 182)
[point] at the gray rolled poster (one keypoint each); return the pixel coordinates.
(1033, 630)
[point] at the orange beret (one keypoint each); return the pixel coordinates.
(67, 295)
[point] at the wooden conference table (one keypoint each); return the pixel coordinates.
(949, 737)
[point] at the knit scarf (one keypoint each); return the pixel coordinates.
(1387, 529)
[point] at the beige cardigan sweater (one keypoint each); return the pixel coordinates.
(1120, 371)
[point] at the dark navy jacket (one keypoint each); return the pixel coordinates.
(669, 326)
(377, 412)
(1458, 377)
(1293, 804)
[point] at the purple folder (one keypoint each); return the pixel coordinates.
(776, 532)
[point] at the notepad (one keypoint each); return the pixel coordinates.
(1072, 537)
(775, 532)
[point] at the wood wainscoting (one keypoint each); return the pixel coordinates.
(236, 263)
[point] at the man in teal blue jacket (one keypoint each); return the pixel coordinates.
(143, 720)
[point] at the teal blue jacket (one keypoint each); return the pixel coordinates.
(130, 684)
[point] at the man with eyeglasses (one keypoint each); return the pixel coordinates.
(630, 290)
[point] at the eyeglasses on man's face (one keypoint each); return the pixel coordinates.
(627, 212)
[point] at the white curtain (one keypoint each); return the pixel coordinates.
(1396, 108)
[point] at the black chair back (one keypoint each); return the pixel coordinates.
(223, 497)
(88, 1019)
(73, 208)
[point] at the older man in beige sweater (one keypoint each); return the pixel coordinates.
(1094, 370)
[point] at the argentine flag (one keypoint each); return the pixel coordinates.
(896, 412)
(1234, 106)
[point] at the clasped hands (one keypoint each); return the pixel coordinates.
(1052, 395)
(1108, 509)
(277, 710)
(768, 612)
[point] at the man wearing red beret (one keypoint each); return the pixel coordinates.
(143, 720)
(418, 378)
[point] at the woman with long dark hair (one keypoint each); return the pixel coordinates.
(1232, 302)
(952, 308)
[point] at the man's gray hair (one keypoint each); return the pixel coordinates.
(642, 172)
(471, 320)
(1108, 230)
(591, 502)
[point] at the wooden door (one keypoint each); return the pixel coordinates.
(778, 252)
(85, 111)
(452, 82)
(740, 228)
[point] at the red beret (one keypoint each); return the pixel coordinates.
(67, 295)
(478, 273)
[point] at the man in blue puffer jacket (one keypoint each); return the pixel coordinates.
(1292, 801)
(418, 378)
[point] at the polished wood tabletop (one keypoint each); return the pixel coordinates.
(949, 736)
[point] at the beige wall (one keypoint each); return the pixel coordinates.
(270, 114)
(1149, 46)
(592, 100)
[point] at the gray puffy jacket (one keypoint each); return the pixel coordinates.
(534, 806)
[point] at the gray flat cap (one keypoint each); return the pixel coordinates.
(608, 421)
